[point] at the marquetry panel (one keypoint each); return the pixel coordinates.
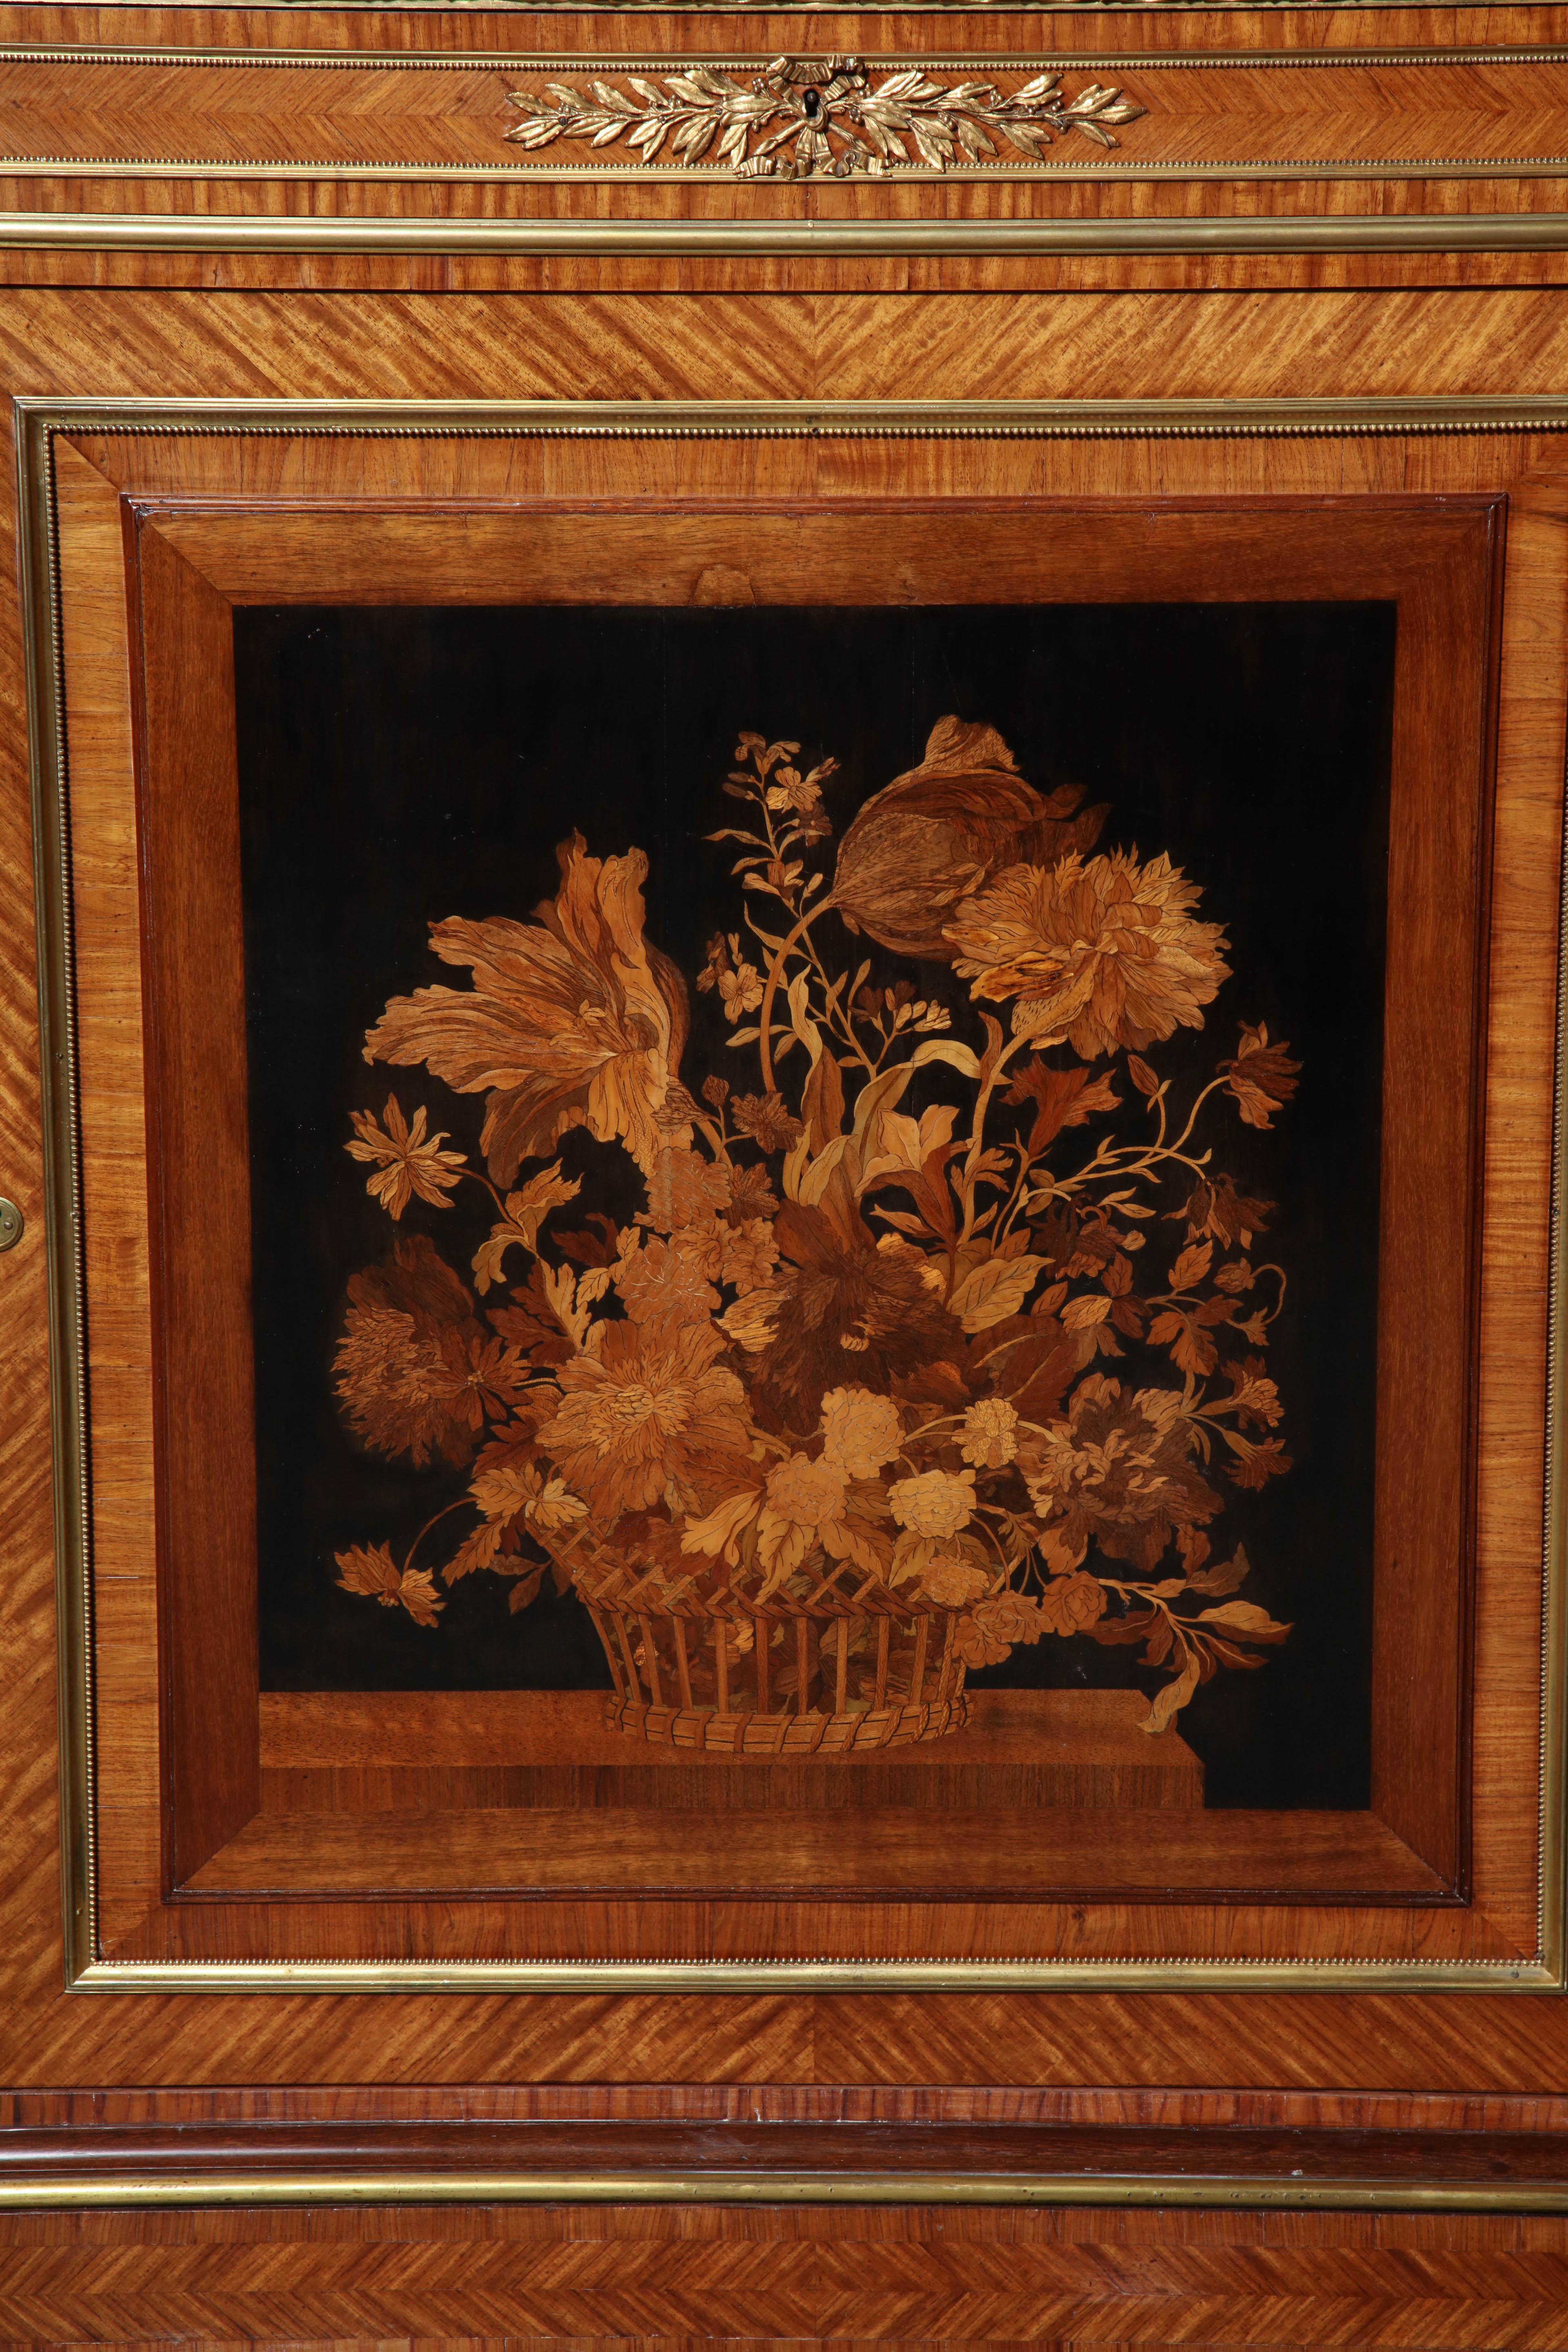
(282, 1857)
(777, 346)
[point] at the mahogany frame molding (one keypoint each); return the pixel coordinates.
(40, 422)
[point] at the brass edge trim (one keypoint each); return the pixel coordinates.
(37, 420)
(758, 2187)
(719, 1977)
(768, 8)
(480, 60)
(1285, 168)
(73, 232)
(38, 589)
(798, 419)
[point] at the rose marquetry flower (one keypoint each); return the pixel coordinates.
(860, 1430)
(987, 1636)
(937, 1502)
(990, 1437)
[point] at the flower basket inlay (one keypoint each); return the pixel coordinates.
(938, 1333)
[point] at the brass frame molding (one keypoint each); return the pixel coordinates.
(89, 233)
(69, 2184)
(40, 421)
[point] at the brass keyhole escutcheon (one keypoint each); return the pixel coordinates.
(11, 1224)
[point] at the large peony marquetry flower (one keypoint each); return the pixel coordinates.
(1102, 955)
(652, 1419)
(1117, 1471)
(573, 1020)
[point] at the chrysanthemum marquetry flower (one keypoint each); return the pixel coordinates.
(1102, 955)
(408, 1161)
(990, 1438)
(937, 1502)
(860, 1430)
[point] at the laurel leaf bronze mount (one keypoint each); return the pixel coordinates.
(804, 115)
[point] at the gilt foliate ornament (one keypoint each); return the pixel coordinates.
(803, 116)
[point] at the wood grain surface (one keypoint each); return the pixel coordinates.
(901, 2279)
(194, 1020)
(111, 1112)
(349, 1751)
(815, 1855)
(1250, 113)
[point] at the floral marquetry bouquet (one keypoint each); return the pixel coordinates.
(933, 1329)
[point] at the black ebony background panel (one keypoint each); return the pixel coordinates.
(399, 766)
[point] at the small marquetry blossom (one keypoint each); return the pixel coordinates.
(408, 1162)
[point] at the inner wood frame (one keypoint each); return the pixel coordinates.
(1438, 559)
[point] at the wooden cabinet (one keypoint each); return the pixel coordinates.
(446, 2010)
